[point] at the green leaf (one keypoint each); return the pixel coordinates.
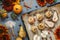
(13, 16)
(55, 0)
(0, 1)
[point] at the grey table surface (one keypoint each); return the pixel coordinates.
(19, 22)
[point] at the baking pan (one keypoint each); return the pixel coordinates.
(54, 6)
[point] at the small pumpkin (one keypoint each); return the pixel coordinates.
(4, 15)
(17, 9)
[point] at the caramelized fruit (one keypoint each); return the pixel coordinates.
(50, 1)
(3, 29)
(7, 5)
(41, 2)
(57, 33)
(5, 37)
(4, 33)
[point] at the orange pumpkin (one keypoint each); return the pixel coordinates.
(17, 9)
(16, 2)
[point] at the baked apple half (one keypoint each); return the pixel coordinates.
(41, 2)
(57, 33)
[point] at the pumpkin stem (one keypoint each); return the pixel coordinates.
(16, 8)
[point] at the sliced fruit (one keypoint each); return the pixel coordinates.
(43, 35)
(22, 33)
(36, 37)
(18, 38)
(55, 17)
(45, 32)
(49, 23)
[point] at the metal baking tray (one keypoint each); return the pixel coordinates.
(55, 6)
